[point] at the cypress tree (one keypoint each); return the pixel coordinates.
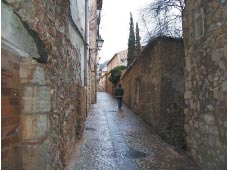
(131, 42)
(138, 45)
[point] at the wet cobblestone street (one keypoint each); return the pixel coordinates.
(119, 140)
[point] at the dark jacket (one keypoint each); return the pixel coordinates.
(119, 92)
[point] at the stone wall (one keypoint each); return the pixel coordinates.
(154, 87)
(43, 92)
(109, 85)
(119, 59)
(205, 39)
(103, 82)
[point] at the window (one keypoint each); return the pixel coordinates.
(137, 91)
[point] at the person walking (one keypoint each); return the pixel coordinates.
(119, 92)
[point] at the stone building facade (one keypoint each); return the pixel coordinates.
(154, 88)
(205, 40)
(44, 74)
(95, 18)
(103, 82)
(120, 58)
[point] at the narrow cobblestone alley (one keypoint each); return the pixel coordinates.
(118, 139)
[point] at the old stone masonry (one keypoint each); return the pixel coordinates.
(119, 140)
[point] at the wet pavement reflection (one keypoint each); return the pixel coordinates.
(119, 140)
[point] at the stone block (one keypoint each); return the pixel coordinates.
(220, 41)
(26, 71)
(33, 127)
(216, 92)
(30, 73)
(209, 119)
(29, 158)
(34, 157)
(11, 158)
(210, 107)
(196, 124)
(39, 76)
(14, 35)
(43, 99)
(225, 54)
(5, 143)
(186, 111)
(225, 124)
(186, 128)
(225, 13)
(28, 100)
(224, 86)
(191, 104)
(188, 63)
(211, 141)
(36, 99)
(217, 57)
(213, 130)
(187, 94)
(198, 106)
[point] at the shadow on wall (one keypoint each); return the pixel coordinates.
(154, 88)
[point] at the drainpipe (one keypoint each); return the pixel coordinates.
(86, 47)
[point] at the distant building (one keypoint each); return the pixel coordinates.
(119, 59)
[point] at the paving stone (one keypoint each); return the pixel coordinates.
(119, 140)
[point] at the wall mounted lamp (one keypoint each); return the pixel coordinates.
(99, 44)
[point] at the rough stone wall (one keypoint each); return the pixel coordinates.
(205, 40)
(53, 100)
(154, 88)
(103, 82)
(129, 84)
(109, 85)
(172, 91)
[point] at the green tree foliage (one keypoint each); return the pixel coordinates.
(115, 74)
(131, 42)
(138, 45)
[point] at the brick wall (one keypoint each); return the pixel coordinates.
(154, 87)
(10, 117)
(205, 39)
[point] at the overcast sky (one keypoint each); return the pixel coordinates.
(114, 27)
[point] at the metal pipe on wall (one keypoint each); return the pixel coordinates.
(86, 47)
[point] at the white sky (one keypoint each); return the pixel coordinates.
(114, 27)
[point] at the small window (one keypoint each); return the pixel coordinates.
(137, 91)
(199, 24)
